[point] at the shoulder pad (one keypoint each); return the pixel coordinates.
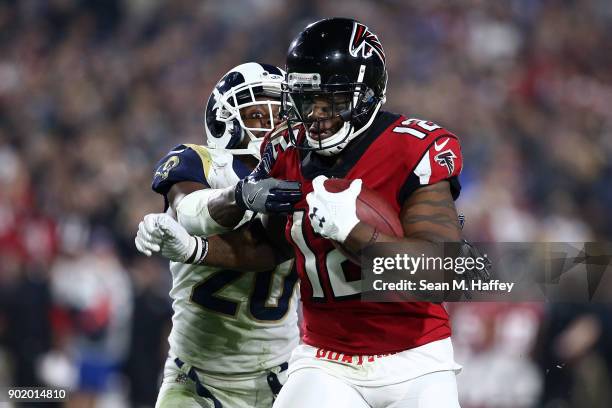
(185, 162)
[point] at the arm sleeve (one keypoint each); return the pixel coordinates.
(441, 160)
(192, 213)
(180, 164)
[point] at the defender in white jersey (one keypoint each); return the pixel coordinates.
(232, 332)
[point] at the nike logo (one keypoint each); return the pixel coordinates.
(176, 151)
(252, 198)
(440, 146)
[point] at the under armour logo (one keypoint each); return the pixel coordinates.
(314, 215)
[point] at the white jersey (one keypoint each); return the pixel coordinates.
(226, 322)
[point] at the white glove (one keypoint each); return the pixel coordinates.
(148, 237)
(162, 233)
(333, 215)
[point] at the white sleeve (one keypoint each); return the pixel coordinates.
(192, 213)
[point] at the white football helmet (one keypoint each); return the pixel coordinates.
(238, 89)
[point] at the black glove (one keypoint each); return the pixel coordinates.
(269, 195)
(261, 193)
(467, 250)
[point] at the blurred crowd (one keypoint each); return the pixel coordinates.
(93, 93)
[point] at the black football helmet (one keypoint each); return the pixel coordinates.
(237, 89)
(341, 62)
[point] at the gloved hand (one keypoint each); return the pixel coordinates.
(162, 233)
(467, 250)
(261, 193)
(333, 215)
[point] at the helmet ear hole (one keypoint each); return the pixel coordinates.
(236, 131)
(216, 127)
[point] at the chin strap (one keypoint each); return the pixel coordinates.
(335, 143)
(346, 131)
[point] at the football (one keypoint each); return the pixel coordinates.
(371, 209)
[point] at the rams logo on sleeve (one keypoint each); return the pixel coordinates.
(163, 170)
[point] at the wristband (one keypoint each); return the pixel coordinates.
(199, 252)
(204, 250)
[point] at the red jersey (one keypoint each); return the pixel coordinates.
(394, 157)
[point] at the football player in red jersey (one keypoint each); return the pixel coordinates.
(354, 353)
(336, 84)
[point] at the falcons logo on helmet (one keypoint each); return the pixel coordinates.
(446, 159)
(365, 41)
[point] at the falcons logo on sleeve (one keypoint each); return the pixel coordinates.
(446, 159)
(365, 41)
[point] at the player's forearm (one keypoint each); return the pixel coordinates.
(428, 217)
(202, 212)
(242, 249)
(365, 235)
(238, 250)
(223, 209)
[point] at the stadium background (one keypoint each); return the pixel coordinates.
(92, 93)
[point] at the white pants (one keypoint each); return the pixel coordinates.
(422, 377)
(313, 387)
(178, 390)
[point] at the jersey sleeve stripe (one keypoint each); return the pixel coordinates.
(204, 156)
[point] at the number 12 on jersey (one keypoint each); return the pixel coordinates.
(417, 128)
(334, 261)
